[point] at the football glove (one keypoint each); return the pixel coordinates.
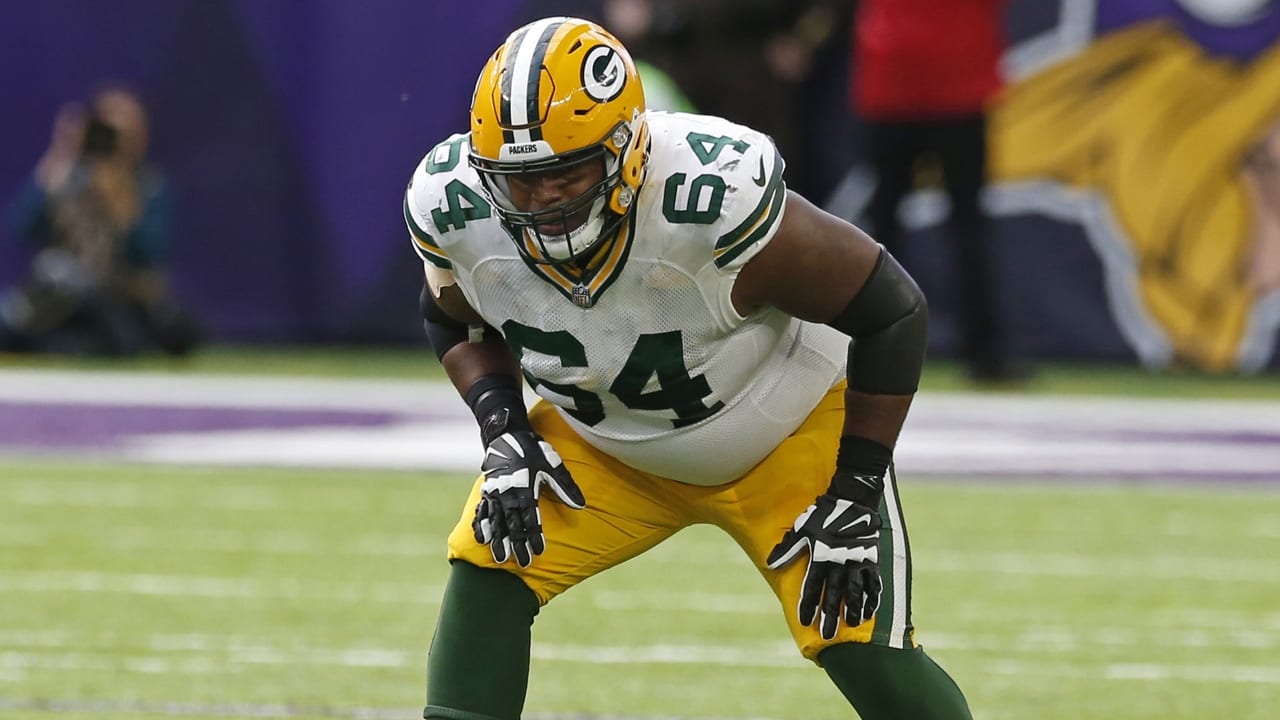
(842, 537)
(516, 466)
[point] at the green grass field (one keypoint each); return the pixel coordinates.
(146, 592)
(183, 592)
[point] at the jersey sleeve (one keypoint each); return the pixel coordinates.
(753, 205)
(417, 197)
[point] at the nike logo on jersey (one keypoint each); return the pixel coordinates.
(759, 179)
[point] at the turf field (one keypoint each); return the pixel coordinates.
(170, 591)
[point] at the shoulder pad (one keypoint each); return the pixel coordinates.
(725, 176)
(428, 212)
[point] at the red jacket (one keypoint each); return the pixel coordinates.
(920, 59)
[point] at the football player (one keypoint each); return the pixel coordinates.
(687, 324)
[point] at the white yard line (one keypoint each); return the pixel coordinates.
(1029, 638)
(452, 446)
(60, 582)
(1137, 568)
(264, 710)
(228, 540)
(225, 391)
(960, 433)
(1122, 568)
(729, 656)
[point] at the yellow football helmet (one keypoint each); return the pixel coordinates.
(561, 91)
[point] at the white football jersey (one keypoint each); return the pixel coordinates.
(647, 358)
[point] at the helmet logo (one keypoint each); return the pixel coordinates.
(603, 73)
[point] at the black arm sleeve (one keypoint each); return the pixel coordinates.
(889, 322)
(443, 330)
(495, 400)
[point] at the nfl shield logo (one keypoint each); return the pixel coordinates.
(581, 296)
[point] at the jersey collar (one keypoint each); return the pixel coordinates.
(584, 288)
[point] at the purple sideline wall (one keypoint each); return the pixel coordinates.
(289, 129)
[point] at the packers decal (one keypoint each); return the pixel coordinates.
(603, 73)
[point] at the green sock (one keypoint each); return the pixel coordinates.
(478, 667)
(884, 683)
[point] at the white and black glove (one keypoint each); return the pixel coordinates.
(516, 466)
(841, 531)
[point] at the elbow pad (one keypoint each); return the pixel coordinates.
(889, 322)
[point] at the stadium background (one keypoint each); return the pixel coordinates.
(290, 129)
(256, 531)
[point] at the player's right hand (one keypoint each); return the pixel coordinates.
(842, 539)
(516, 465)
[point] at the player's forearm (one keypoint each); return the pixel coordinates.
(467, 362)
(878, 418)
(487, 376)
(469, 350)
(889, 321)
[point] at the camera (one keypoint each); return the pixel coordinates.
(100, 138)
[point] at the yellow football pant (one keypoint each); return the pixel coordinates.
(629, 511)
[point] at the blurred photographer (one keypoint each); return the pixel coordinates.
(96, 217)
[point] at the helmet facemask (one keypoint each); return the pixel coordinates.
(588, 220)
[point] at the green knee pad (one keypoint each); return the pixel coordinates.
(478, 667)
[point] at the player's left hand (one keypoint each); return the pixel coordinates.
(516, 465)
(842, 537)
